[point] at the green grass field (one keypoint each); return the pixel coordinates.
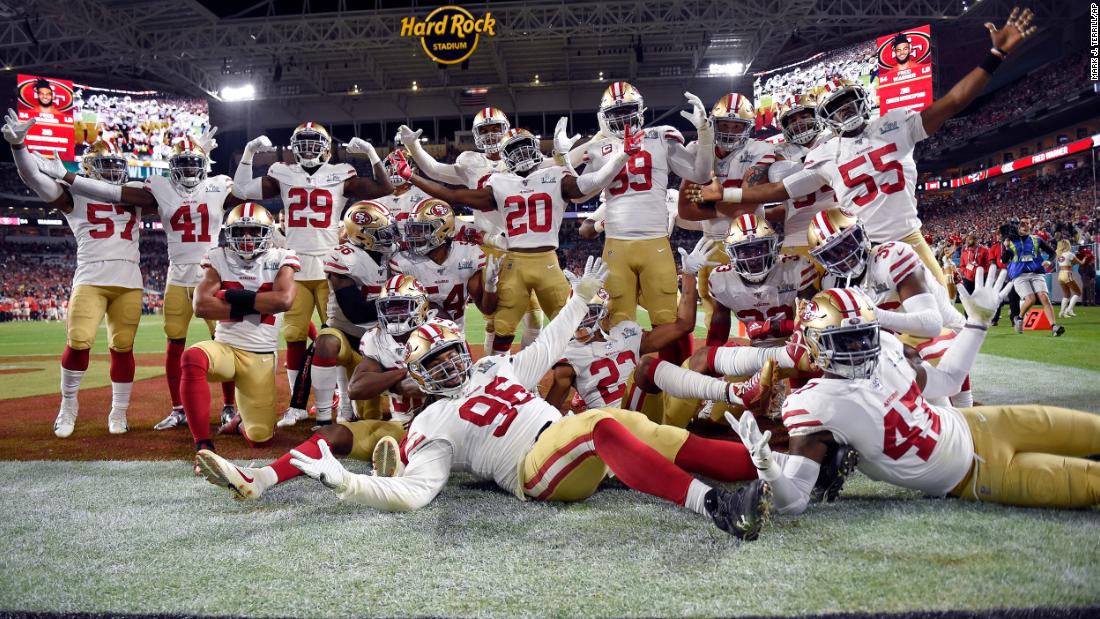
(148, 537)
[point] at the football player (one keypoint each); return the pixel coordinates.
(244, 286)
(637, 249)
(869, 163)
(405, 196)
(874, 397)
(314, 193)
(532, 200)
(491, 422)
(451, 271)
(108, 278)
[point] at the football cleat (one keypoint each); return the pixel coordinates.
(1057, 330)
(1018, 324)
(65, 423)
(292, 416)
(116, 422)
(742, 512)
(840, 462)
(756, 392)
(221, 472)
(232, 426)
(386, 458)
(174, 418)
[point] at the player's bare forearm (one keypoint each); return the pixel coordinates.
(558, 396)
(484, 300)
(366, 188)
(205, 304)
(956, 99)
(369, 383)
(764, 193)
(281, 297)
(663, 335)
(733, 210)
(140, 198)
(692, 211)
(479, 199)
(811, 446)
(588, 230)
(776, 214)
(718, 332)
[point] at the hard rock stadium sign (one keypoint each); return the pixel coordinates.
(449, 34)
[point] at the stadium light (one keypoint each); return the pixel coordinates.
(729, 68)
(244, 92)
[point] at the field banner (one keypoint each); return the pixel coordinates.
(905, 70)
(50, 102)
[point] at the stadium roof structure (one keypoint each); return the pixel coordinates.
(295, 53)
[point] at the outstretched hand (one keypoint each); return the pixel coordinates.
(1016, 29)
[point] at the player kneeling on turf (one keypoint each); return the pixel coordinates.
(491, 422)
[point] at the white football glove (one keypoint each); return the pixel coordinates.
(407, 136)
(326, 469)
(757, 444)
(52, 168)
(14, 130)
(257, 145)
(695, 261)
(206, 141)
(698, 114)
(492, 273)
(981, 305)
(590, 281)
(359, 146)
(562, 142)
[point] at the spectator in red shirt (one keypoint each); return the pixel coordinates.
(1088, 275)
(973, 256)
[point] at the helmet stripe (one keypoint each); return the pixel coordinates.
(840, 301)
(748, 222)
(824, 225)
(852, 297)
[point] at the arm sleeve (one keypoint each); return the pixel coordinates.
(791, 489)
(534, 361)
(97, 189)
(804, 182)
(244, 186)
(594, 181)
(433, 169)
(921, 317)
(355, 307)
(45, 187)
(946, 379)
(696, 165)
(426, 474)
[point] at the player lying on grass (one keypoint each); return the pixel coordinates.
(873, 397)
(490, 421)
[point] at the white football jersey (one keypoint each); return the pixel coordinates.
(874, 174)
(636, 198)
(1065, 260)
(402, 206)
(800, 211)
(314, 204)
(254, 332)
(532, 206)
(490, 428)
(771, 299)
(475, 167)
(446, 283)
(730, 172)
(887, 265)
(192, 221)
(901, 438)
(602, 368)
(379, 345)
(357, 264)
(107, 240)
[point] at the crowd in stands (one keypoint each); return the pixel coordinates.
(849, 63)
(10, 183)
(141, 127)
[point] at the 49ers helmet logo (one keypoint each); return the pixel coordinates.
(360, 218)
(440, 210)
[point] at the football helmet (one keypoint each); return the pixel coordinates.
(489, 126)
(249, 229)
(838, 242)
(519, 149)
(620, 105)
(104, 162)
(402, 305)
(311, 144)
(752, 246)
(798, 119)
(390, 163)
(840, 332)
(431, 224)
(843, 106)
(188, 163)
(368, 225)
(438, 358)
(733, 118)
(593, 318)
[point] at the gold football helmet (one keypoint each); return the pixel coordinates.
(104, 162)
(752, 246)
(438, 358)
(489, 126)
(798, 119)
(188, 163)
(840, 332)
(519, 148)
(402, 305)
(838, 242)
(593, 319)
(620, 105)
(733, 118)
(431, 224)
(368, 225)
(249, 229)
(311, 144)
(843, 105)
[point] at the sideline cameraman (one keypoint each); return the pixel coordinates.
(1025, 268)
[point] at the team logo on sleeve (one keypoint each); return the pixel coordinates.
(888, 126)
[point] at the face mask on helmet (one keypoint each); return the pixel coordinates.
(731, 134)
(753, 259)
(401, 314)
(847, 112)
(110, 169)
(800, 127)
(618, 117)
(487, 136)
(444, 371)
(590, 324)
(845, 255)
(187, 169)
(521, 155)
(384, 240)
(310, 147)
(248, 240)
(420, 236)
(391, 169)
(851, 352)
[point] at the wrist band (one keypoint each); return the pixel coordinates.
(732, 194)
(1000, 52)
(990, 63)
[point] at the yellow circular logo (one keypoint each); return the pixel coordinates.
(449, 34)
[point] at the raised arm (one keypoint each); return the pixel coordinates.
(362, 187)
(46, 188)
(583, 187)
(96, 189)
(244, 186)
(480, 199)
(695, 164)
(447, 173)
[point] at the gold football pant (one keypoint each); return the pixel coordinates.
(178, 310)
(642, 271)
(926, 255)
(532, 305)
(562, 465)
(254, 376)
(87, 306)
(311, 294)
(720, 256)
(366, 434)
(1033, 456)
(522, 275)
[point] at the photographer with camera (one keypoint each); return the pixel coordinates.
(1022, 254)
